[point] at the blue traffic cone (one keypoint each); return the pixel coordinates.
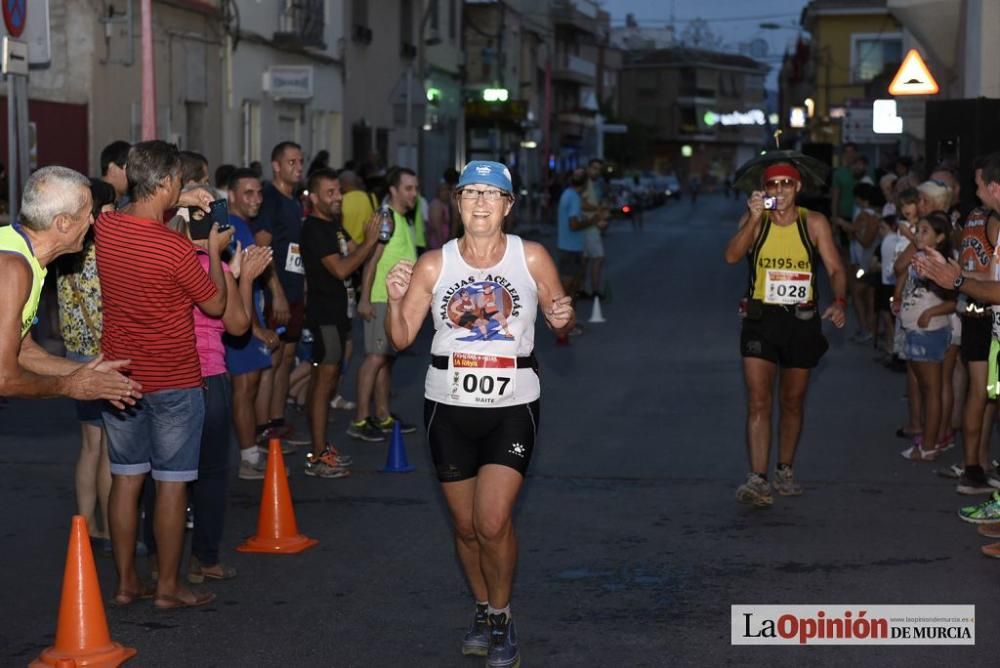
(395, 460)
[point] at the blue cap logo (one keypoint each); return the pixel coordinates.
(485, 172)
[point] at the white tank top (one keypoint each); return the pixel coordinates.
(484, 319)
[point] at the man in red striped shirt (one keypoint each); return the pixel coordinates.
(150, 279)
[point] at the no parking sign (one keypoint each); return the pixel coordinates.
(28, 21)
(15, 16)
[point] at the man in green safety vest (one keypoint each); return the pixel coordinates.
(56, 212)
(374, 374)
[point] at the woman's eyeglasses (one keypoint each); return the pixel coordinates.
(490, 194)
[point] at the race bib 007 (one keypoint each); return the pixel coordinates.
(481, 380)
(787, 287)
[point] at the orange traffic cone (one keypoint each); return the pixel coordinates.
(277, 530)
(82, 637)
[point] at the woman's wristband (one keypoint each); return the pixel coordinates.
(841, 301)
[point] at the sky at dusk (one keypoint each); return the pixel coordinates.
(735, 21)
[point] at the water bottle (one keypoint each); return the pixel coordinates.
(387, 224)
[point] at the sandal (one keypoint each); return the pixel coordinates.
(126, 598)
(166, 602)
(198, 573)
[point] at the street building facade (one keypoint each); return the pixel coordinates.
(693, 111)
(284, 80)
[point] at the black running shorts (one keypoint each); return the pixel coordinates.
(779, 336)
(463, 438)
(976, 336)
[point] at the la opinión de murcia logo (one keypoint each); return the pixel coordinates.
(853, 625)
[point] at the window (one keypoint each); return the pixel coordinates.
(251, 131)
(874, 53)
(452, 20)
(435, 14)
(688, 121)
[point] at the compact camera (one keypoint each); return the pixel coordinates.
(771, 203)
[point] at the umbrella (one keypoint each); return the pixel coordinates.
(749, 174)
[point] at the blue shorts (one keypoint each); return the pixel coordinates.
(161, 433)
(927, 345)
(246, 354)
(87, 411)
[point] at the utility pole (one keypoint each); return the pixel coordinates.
(148, 74)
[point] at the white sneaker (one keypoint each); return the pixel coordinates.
(340, 403)
(253, 470)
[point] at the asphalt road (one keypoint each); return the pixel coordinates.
(632, 547)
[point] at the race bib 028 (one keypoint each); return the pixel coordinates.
(481, 380)
(787, 287)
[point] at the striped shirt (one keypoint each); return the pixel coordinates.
(150, 279)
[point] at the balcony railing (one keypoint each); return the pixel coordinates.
(301, 22)
(568, 13)
(575, 69)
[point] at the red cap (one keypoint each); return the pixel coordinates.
(782, 169)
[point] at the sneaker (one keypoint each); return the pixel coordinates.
(287, 446)
(365, 430)
(991, 530)
(755, 491)
(985, 513)
(341, 459)
(971, 486)
(477, 639)
(503, 651)
(325, 466)
(954, 472)
(784, 482)
(388, 423)
(340, 403)
(992, 550)
(253, 470)
(992, 479)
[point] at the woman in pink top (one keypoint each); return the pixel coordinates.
(208, 493)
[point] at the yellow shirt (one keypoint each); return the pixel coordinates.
(356, 210)
(782, 263)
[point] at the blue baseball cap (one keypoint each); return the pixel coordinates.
(487, 173)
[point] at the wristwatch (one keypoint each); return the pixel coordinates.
(957, 283)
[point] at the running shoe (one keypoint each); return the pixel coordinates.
(954, 471)
(503, 651)
(342, 459)
(993, 479)
(365, 430)
(970, 486)
(340, 403)
(253, 470)
(784, 482)
(388, 423)
(477, 639)
(985, 513)
(992, 550)
(755, 491)
(287, 446)
(991, 530)
(325, 466)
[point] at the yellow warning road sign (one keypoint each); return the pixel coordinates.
(913, 77)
